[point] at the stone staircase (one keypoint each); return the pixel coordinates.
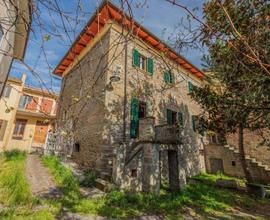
(249, 159)
(259, 171)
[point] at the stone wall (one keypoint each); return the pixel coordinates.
(158, 96)
(252, 141)
(82, 109)
(232, 165)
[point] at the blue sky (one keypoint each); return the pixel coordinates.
(47, 45)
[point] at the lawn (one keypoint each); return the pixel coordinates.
(202, 200)
(15, 194)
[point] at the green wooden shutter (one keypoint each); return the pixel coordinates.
(136, 58)
(193, 118)
(166, 77)
(169, 117)
(134, 124)
(150, 66)
(190, 86)
(180, 119)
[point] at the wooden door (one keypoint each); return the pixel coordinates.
(216, 165)
(40, 132)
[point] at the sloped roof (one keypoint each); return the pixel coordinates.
(108, 11)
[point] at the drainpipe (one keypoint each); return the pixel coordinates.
(125, 93)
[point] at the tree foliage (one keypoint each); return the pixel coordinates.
(237, 34)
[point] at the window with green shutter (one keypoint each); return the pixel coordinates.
(136, 58)
(168, 77)
(169, 117)
(150, 66)
(134, 124)
(180, 119)
(190, 86)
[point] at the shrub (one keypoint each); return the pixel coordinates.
(90, 177)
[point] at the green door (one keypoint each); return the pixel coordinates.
(134, 124)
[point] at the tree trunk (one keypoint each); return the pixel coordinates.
(242, 154)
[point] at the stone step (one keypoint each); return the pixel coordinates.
(103, 185)
(248, 157)
(105, 176)
(253, 160)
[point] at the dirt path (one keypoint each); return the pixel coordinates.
(41, 182)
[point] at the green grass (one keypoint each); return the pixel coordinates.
(211, 179)
(14, 190)
(204, 198)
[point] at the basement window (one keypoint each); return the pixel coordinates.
(233, 163)
(77, 147)
(134, 173)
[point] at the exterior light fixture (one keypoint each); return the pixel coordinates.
(115, 77)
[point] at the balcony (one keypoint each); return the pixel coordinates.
(162, 134)
(36, 107)
(168, 134)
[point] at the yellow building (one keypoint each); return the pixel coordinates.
(26, 115)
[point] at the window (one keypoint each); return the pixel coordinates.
(171, 117)
(134, 123)
(19, 129)
(46, 106)
(168, 77)
(143, 62)
(7, 91)
(24, 99)
(134, 173)
(214, 138)
(233, 163)
(142, 109)
(180, 119)
(190, 87)
(77, 147)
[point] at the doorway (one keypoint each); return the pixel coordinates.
(169, 170)
(216, 165)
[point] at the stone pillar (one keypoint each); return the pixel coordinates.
(119, 164)
(173, 171)
(151, 171)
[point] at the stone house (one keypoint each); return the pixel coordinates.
(26, 116)
(124, 105)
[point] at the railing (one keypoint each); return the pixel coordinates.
(167, 134)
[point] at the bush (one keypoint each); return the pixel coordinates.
(90, 177)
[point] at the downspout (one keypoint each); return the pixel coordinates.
(125, 93)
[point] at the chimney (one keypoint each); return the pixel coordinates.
(23, 79)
